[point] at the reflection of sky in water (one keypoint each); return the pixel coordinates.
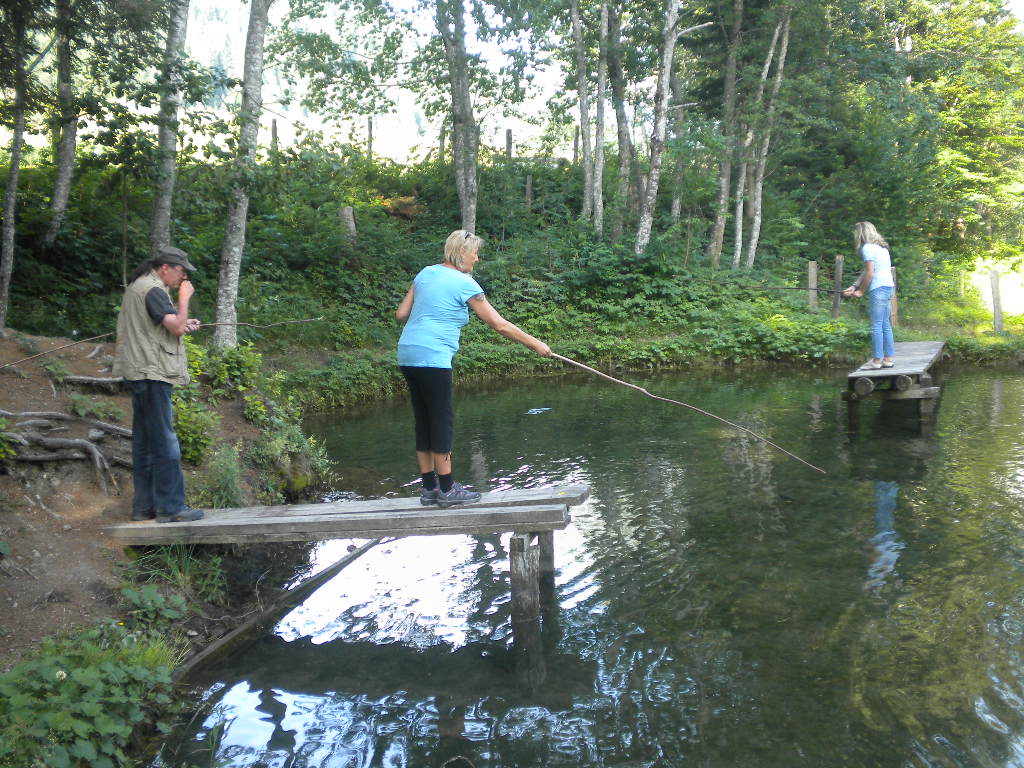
(718, 604)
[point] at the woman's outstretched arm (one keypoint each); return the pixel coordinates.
(493, 318)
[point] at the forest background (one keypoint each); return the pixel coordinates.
(689, 161)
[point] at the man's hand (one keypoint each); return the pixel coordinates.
(185, 290)
(192, 325)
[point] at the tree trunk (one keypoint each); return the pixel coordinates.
(602, 62)
(451, 24)
(65, 155)
(167, 145)
(582, 86)
(245, 168)
(746, 177)
(627, 153)
(762, 157)
(662, 96)
(13, 170)
(714, 247)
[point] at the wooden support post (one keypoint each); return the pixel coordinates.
(902, 383)
(529, 192)
(546, 574)
(508, 143)
(997, 303)
(863, 385)
(812, 285)
(837, 287)
(527, 641)
(894, 304)
(524, 564)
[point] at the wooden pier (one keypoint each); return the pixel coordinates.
(534, 510)
(910, 378)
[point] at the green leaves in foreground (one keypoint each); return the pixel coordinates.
(78, 701)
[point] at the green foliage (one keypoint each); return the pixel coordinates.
(56, 368)
(6, 449)
(194, 422)
(78, 699)
(219, 483)
(149, 608)
(293, 464)
(87, 407)
(232, 368)
(255, 411)
(192, 570)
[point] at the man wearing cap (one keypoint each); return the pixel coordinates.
(151, 357)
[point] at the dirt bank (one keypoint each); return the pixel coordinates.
(59, 570)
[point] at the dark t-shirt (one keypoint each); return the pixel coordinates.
(158, 304)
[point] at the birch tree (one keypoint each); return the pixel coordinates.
(20, 19)
(583, 97)
(451, 25)
(661, 98)
(762, 154)
(68, 124)
(167, 143)
(226, 335)
(746, 148)
(598, 180)
(714, 246)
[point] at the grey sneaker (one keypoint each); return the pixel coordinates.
(457, 495)
(429, 497)
(185, 515)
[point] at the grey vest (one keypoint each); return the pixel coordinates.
(147, 350)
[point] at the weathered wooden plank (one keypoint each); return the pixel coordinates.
(424, 522)
(567, 494)
(912, 359)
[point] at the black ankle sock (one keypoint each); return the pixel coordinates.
(429, 480)
(446, 482)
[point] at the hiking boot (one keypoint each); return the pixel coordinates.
(428, 497)
(145, 514)
(185, 515)
(457, 495)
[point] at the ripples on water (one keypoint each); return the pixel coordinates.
(717, 604)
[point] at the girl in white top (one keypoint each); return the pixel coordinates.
(877, 276)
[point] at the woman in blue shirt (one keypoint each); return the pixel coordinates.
(877, 278)
(434, 311)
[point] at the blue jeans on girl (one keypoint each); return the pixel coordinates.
(879, 300)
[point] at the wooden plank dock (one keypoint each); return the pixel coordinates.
(909, 379)
(534, 510)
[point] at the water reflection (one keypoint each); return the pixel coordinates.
(714, 603)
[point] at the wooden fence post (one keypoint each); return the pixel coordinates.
(997, 304)
(837, 287)
(812, 285)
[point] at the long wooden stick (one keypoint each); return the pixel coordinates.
(204, 325)
(685, 405)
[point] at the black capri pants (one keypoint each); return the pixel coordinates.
(430, 390)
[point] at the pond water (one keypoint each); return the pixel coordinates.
(716, 602)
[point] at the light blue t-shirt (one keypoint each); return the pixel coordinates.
(882, 276)
(440, 308)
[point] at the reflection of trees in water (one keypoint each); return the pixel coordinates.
(722, 614)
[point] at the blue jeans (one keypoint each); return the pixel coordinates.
(156, 454)
(881, 330)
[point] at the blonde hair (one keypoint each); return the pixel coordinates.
(865, 232)
(459, 243)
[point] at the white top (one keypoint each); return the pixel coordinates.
(883, 265)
